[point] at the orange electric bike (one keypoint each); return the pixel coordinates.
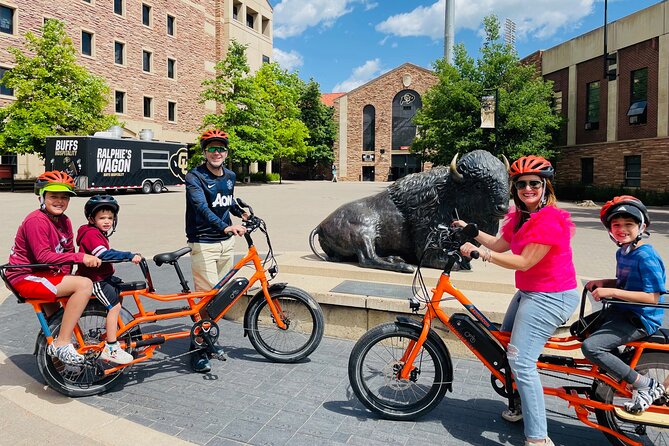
(402, 370)
(284, 323)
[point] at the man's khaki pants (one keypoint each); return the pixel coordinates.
(210, 262)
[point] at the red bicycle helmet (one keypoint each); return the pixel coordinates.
(213, 135)
(531, 165)
(54, 181)
(624, 204)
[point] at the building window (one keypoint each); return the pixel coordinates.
(148, 107)
(4, 90)
(265, 59)
(249, 20)
(633, 171)
(119, 53)
(118, 7)
(405, 105)
(146, 61)
(265, 26)
(592, 106)
(170, 25)
(557, 102)
(638, 96)
(171, 111)
(368, 127)
(119, 101)
(7, 19)
(587, 171)
(146, 14)
(86, 43)
(171, 68)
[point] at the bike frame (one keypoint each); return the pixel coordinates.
(582, 405)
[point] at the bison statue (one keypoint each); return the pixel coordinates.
(389, 230)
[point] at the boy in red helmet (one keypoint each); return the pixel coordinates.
(640, 277)
(45, 236)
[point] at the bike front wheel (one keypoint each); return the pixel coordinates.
(374, 367)
(303, 318)
(654, 365)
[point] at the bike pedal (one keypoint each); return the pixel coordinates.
(219, 356)
(653, 418)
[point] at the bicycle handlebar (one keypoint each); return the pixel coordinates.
(46, 265)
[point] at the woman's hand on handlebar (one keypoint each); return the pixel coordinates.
(458, 224)
(91, 261)
(235, 230)
(468, 249)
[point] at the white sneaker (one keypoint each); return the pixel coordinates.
(66, 354)
(114, 353)
(547, 442)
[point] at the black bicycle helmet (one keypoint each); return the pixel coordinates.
(97, 202)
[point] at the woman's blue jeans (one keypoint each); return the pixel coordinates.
(532, 318)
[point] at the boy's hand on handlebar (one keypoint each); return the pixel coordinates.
(600, 293)
(136, 259)
(236, 230)
(594, 284)
(91, 261)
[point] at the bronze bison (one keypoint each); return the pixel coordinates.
(389, 230)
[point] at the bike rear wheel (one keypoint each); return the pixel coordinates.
(375, 363)
(654, 365)
(88, 378)
(303, 318)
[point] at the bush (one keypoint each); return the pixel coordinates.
(579, 192)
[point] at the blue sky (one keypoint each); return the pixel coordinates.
(344, 43)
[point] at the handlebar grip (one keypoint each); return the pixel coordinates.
(475, 254)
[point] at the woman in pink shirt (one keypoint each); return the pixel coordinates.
(538, 234)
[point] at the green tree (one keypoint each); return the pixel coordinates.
(319, 119)
(449, 121)
(54, 95)
(242, 111)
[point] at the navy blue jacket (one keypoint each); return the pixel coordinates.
(209, 203)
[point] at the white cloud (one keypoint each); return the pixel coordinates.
(361, 75)
(287, 60)
(293, 17)
(538, 18)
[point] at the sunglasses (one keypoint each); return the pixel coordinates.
(534, 184)
(219, 149)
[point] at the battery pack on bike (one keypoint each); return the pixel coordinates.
(471, 332)
(226, 296)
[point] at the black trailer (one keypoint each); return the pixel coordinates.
(118, 163)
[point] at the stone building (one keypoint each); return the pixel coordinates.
(154, 54)
(376, 125)
(617, 108)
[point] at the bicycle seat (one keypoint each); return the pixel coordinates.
(661, 336)
(132, 286)
(170, 257)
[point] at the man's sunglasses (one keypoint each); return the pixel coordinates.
(534, 184)
(219, 149)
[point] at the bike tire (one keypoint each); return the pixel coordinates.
(654, 365)
(304, 318)
(373, 367)
(80, 380)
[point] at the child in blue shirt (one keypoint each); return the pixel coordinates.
(640, 277)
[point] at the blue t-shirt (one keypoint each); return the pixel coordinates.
(642, 269)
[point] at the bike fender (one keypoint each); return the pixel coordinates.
(275, 287)
(417, 326)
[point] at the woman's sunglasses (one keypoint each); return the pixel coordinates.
(219, 149)
(534, 184)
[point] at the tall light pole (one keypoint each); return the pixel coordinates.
(449, 31)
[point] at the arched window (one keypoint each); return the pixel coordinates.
(368, 125)
(405, 105)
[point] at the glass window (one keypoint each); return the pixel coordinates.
(592, 103)
(633, 171)
(405, 105)
(119, 53)
(86, 43)
(148, 106)
(171, 111)
(265, 59)
(118, 7)
(6, 20)
(235, 11)
(249, 20)
(146, 14)
(146, 61)
(4, 90)
(639, 87)
(368, 127)
(171, 68)
(170, 25)
(587, 171)
(119, 100)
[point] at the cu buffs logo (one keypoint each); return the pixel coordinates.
(179, 163)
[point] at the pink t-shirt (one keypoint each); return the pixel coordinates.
(548, 226)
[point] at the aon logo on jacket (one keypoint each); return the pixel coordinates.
(222, 201)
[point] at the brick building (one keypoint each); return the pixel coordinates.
(616, 131)
(376, 125)
(154, 54)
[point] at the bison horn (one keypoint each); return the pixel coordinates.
(457, 176)
(506, 163)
